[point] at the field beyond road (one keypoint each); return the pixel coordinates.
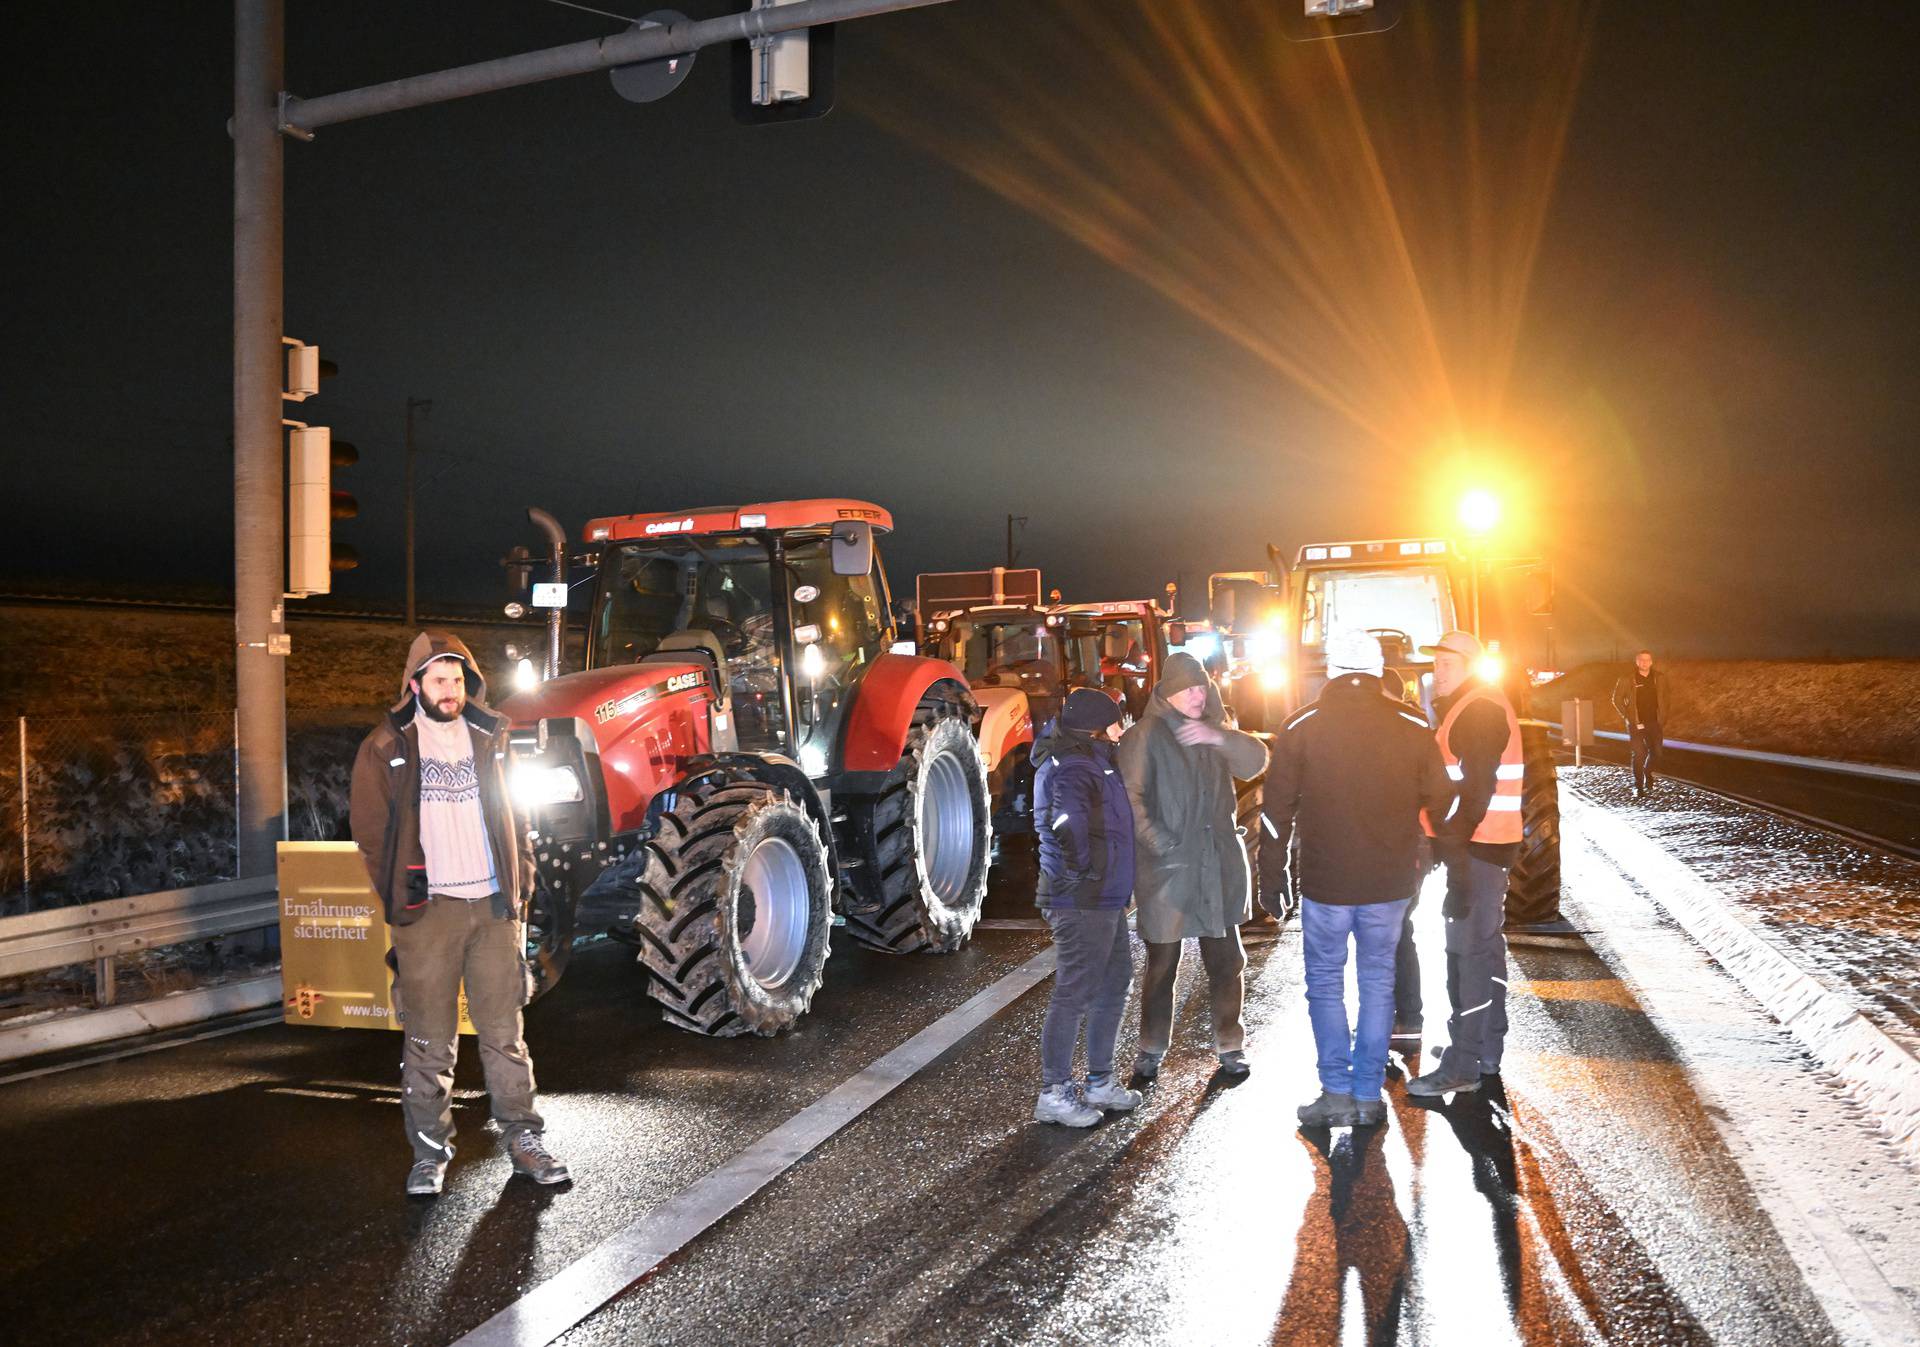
(1853, 710)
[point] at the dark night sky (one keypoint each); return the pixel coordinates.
(617, 307)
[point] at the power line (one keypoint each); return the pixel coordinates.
(588, 9)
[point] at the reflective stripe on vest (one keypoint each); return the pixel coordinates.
(1502, 822)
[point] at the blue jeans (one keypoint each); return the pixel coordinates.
(1351, 1062)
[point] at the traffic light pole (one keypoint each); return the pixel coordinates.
(263, 114)
(259, 561)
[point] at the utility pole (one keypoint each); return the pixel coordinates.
(422, 405)
(1013, 519)
(259, 579)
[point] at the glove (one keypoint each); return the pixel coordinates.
(1450, 851)
(1273, 901)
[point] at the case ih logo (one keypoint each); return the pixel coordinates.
(620, 706)
(669, 526)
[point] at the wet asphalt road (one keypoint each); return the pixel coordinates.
(247, 1189)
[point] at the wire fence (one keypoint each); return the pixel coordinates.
(95, 807)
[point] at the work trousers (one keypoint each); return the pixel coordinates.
(1407, 1007)
(1092, 973)
(456, 941)
(1352, 1056)
(1476, 963)
(1647, 744)
(1225, 960)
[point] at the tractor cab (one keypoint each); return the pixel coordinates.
(1005, 647)
(1121, 646)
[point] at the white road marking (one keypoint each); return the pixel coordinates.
(545, 1313)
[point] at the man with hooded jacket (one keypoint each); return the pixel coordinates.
(1191, 881)
(434, 823)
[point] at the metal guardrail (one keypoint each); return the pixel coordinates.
(97, 932)
(1834, 765)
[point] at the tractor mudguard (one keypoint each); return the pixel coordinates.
(876, 733)
(1006, 723)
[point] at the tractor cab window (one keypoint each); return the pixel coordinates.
(1406, 607)
(717, 585)
(1009, 654)
(840, 626)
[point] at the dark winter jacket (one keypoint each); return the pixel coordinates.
(1190, 873)
(1624, 697)
(1478, 739)
(1084, 821)
(385, 807)
(1352, 772)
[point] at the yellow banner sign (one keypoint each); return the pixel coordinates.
(334, 941)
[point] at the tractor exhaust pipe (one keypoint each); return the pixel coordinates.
(556, 617)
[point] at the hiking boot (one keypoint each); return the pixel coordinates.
(531, 1157)
(1329, 1110)
(426, 1178)
(1412, 1029)
(1234, 1064)
(1113, 1097)
(1064, 1104)
(1446, 1078)
(1146, 1068)
(1369, 1112)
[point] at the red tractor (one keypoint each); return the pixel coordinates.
(1119, 645)
(744, 759)
(990, 626)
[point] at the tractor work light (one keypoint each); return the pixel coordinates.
(525, 676)
(812, 662)
(1273, 677)
(1340, 553)
(1490, 669)
(1479, 511)
(813, 760)
(535, 786)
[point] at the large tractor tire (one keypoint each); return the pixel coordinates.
(1246, 816)
(735, 909)
(1533, 889)
(920, 847)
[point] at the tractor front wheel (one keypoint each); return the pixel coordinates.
(735, 909)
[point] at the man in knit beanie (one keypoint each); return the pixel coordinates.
(434, 823)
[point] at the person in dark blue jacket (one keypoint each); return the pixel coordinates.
(1085, 826)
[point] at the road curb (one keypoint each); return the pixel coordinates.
(85, 1029)
(1879, 1074)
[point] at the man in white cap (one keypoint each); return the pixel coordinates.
(1355, 770)
(1478, 735)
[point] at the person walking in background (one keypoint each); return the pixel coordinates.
(1353, 772)
(1084, 822)
(1190, 873)
(1479, 742)
(434, 823)
(1641, 699)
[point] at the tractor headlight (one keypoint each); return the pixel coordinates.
(1491, 669)
(535, 786)
(1273, 677)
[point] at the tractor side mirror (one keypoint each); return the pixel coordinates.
(852, 548)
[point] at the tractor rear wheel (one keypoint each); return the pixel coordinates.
(920, 847)
(1533, 888)
(735, 909)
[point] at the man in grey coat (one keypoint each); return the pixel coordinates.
(1190, 874)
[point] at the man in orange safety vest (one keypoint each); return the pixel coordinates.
(1479, 738)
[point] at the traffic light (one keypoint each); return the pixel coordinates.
(312, 502)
